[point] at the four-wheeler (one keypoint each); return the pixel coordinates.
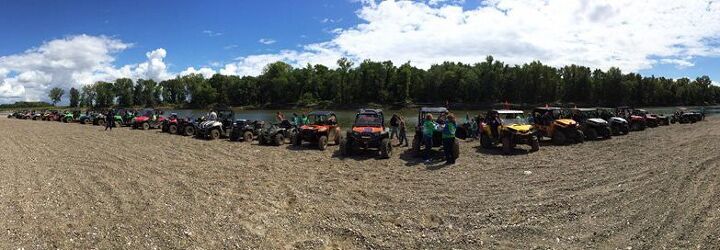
(618, 125)
(124, 117)
(650, 120)
(67, 117)
(439, 114)
(514, 129)
(188, 126)
(322, 127)
(88, 117)
(637, 122)
(170, 124)
(247, 130)
(149, 119)
(214, 129)
(683, 115)
(591, 124)
(276, 134)
(368, 131)
(662, 119)
(552, 123)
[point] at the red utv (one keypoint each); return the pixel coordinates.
(150, 119)
(637, 122)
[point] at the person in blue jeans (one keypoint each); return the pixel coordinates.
(448, 137)
(429, 127)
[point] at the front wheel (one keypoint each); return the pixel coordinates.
(145, 126)
(345, 147)
(558, 138)
(296, 140)
(507, 145)
(322, 142)
(534, 144)
(214, 134)
(278, 140)
(247, 136)
(172, 129)
(189, 131)
(386, 148)
(591, 134)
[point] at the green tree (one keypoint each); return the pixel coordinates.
(55, 95)
(123, 89)
(74, 97)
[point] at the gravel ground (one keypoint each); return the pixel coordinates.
(76, 186)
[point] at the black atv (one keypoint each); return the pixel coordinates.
(276, 134)
(246, 130)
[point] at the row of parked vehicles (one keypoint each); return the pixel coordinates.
(503, 128)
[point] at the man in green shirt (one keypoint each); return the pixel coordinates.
(429, 127)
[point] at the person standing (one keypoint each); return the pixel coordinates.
(394, 125)
(429, 127)
(448, 135)
(109, 120)
(403, 133)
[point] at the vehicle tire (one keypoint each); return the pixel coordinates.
(625, 130)
(456, 149)
(534, 144)
(322, 142)
(189, 130)
(214, 134)
(145, 126)
(386, 148)
(248, 137)
(278, 140)
(591, 134)
(416, 145)
(559, 138)
(172, 129)
(506, 145)
(345, 149)
(635, 126)
(580, 136)
(101, 122)
(485, 141)
(296, 140)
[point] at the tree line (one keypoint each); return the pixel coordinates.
(384, 83)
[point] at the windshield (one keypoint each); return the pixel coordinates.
(509, 119)
(368, 120)
(321, 119)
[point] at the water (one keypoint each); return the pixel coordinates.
(346, 117)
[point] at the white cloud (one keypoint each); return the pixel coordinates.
(632, 35)
(205, 71)
(211, 33)
(71, 62)
(266, 41)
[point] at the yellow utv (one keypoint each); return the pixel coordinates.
(553, 123)
(513, 128)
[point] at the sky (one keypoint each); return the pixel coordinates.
(71, 43)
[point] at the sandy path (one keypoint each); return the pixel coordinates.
(76, 186)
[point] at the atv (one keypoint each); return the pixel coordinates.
(276, 134)
(591, 124)
(514, 129)
(149, 120)
(552, 123)
(170, 124)
(124, 117)
(214, 129)
(650, 120)
(618, 125)
(67, 117)
(322, 128)
(368, 131)
(440, 113)
(246, 130)
(637, 123)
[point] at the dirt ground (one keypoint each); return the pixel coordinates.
(77, 186)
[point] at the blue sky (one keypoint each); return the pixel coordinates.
(72, 43)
